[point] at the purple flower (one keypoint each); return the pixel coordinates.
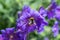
(11, 34)
(55, 29)
(51, 9)
(57, 13)
(30, 20)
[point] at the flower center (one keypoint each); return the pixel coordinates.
(11, 37)
(31, 20)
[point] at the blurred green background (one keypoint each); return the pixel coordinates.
(8, 16)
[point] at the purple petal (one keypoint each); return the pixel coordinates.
(57, 13)
(26, 8)
(19, 14)
(43, 12)
(1, 37)
(55, 29)
(51, 10)
(9, 30)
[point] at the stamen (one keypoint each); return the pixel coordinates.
(31, 21)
